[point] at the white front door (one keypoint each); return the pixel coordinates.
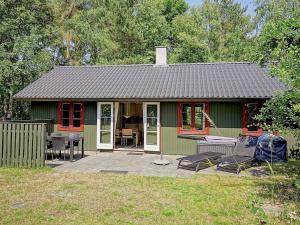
(151, 125)
(105, 125)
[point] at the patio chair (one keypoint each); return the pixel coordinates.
(58, 144)
(127, 134)
(74, 138)
(242, 157)
(118, 135)
(193, 162)
(49, 142)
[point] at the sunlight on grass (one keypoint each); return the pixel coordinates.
(43, 196)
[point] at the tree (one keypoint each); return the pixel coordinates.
(218, 30)
(228, 28)
(25, 37)
(173, 8)
(189, 39)
(279, 41)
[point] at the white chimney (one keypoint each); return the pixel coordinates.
(161, 56)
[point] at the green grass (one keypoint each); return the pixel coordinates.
(43, 196)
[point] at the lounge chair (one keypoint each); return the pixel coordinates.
(193, 162)
(242, 157)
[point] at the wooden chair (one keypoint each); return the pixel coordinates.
(127, 134)
(118, 135)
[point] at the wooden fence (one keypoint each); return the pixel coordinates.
(49, 123)
(22, 144)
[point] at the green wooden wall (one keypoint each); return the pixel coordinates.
(226, 116)
(48, 110)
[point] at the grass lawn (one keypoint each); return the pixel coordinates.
(44, 196)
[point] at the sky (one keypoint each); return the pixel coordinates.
(248, 3)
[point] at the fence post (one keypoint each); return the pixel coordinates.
(43, 144)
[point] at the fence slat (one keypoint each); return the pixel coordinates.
(43, 145)
(34, 143)
(4, 144)
(17, 154)
(13, 144)
(38, 146)
(9, 145)
(25, 144)
(22, 136)
(1, 146)
(29, 156)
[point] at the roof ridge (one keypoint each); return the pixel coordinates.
(110, 65)
(133, 65)
(209, 63)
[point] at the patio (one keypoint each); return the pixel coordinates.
(134, 163)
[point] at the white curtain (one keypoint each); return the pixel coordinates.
(116, 113)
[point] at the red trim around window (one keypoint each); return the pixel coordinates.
(245, 125)
(193, 130)
(60, 127)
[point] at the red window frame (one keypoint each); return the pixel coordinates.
(60, 126)
(245, 129)
(193, 130)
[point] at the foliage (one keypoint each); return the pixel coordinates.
(279, 41)
(189, 39)
(39, 33)
(25, 34)
(280, 113)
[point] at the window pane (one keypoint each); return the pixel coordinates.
(199, 117)
(77, 107)
(252, 110)
(186, 116)
(76, 123)
(105, 110)
(76, 115)
(151, 138)
(66, 106)
(105, 124)
(151, 124)
(105, 137)
(151, 110)
(66, 114)
(65, 122)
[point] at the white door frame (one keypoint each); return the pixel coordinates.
(155, 148)
(99, 144)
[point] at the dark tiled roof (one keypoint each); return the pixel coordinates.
(195, 81)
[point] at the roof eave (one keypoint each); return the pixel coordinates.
(241, 99)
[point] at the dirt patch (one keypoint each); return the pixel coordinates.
(272, 209)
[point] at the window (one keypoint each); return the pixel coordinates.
(191, 118)
(70, 116)
(249, 124)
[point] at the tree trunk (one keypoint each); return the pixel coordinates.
(10, 104)
(5, 107)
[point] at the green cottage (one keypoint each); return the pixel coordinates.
(151, 108)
